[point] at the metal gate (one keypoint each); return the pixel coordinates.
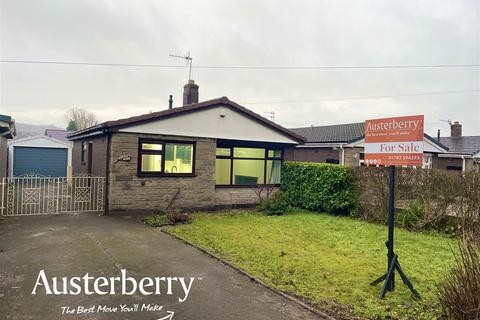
(34, 195)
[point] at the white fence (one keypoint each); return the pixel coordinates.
(34, 195)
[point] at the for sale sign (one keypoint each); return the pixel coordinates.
(394, 141)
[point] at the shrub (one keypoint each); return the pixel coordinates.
(156, 220)
(318, 187)
(431, 199)
(275, 205)
(176, 217)
(410, 216)
(171, 217)
(460, 291)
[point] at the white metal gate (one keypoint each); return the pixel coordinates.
(33, 195)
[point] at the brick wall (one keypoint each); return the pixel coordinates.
(352, 156)
(127, 191)
(99, 156)
(443, 163)
(3, 157)
(311, 154)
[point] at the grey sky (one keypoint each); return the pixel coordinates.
(254, 33)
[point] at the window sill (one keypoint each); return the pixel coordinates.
(250, 186)
(166, 175)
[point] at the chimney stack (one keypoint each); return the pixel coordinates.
(438, 135)
(170, 102)
(456, 130)
(190, 93)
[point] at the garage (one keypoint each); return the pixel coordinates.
(41, 161)
(39, 155)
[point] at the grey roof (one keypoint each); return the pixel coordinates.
(338, 133)
(58, 134)
(222, 101)
(342, 133)
(463, 145)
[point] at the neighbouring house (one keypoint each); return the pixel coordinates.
(40, 155)
(464, 151)
(202, 155)
(7, 132)
(344, 144)
(58, 134)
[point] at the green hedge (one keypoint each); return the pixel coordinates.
(319, 187)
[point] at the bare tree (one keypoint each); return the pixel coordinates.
(81, 118)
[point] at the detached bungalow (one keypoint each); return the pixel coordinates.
(203, 155)
(464, 151)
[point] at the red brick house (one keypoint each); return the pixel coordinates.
(201, 155)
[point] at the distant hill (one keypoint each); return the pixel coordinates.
(27, 130)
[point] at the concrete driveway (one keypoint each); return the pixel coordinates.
(73, 245)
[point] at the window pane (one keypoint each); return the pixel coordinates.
(151, 146)
(151, 163)
(222, 171)
(274, 153)
(178, 158)
(248, 153)
(248, 171)
(223, 152)
(274, 169)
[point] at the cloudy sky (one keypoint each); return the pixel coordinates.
(253, 33)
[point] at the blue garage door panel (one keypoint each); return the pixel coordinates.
(45, 161)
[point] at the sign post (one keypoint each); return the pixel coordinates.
(394, 142)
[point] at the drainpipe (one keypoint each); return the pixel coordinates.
(463, 163)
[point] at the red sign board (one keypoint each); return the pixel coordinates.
(394, 141)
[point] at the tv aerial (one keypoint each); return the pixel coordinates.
(188, 60)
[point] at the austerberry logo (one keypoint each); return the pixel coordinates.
(122, 284)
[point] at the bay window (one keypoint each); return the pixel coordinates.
(166, 158)
(247, 166)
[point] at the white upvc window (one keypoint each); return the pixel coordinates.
(427, 161)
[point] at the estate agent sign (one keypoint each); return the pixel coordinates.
(394, 141)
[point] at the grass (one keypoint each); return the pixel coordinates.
(327, 260)
(157, 220)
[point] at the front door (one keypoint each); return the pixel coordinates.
(89, 158)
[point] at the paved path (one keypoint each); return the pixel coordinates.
(72, 245)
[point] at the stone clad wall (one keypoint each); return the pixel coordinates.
(231, 197)
(127, 191)
(352, 156)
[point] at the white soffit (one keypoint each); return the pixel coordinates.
(219, 122)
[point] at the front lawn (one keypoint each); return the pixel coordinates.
(328, 260)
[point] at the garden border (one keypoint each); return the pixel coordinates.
(298, 301)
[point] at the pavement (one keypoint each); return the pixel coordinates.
(72, 245)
